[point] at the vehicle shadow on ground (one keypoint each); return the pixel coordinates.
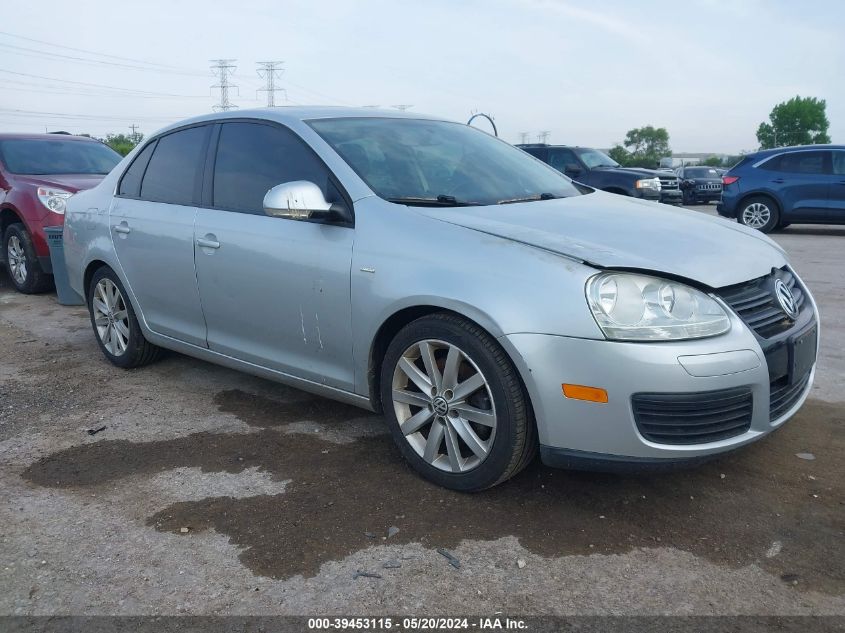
(733, 511)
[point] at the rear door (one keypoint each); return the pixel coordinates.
(801, 181)
(152, 224)
(275, 291)
(836, 196)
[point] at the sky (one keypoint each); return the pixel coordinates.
(709, 71)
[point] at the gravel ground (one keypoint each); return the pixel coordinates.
(213, 492)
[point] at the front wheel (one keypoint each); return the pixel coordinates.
(22, 262)
(759, 212)
(115, 324)
(455, 405)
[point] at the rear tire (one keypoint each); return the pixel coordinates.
(22, 263)
(483, 434)
(759, 212)
(116, 327)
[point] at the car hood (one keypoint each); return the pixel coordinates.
(610, 231)
(638, 172)
(68, 182)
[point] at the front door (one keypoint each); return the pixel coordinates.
(152, 225)
(275, 291)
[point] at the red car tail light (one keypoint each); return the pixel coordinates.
(729, 180)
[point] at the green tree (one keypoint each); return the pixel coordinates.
(643, 147)
(712, 161)
(799, 121)
(620, 155)
(123, 143)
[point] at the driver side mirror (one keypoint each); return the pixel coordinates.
(303, 200)
(572, 170)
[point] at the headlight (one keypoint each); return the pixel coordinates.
(648, 183)
(631, 307)
(54, 199)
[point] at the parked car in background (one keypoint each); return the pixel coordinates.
(774, 188)
(38, 173)
(489, 306)
(699, 184)
(596, 169)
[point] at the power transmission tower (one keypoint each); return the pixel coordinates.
(134, 129)
(523, 137)
(224, 68)
(402, 106)
(543, 136)
(270, 71)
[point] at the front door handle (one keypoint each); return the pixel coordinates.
(209, 241)
(779, 181)
(123, 227)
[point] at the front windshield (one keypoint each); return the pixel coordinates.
(701, 172)
(593, 158)
(415, 161)
(57, 156)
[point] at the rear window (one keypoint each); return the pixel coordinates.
(43, 157)
(701, 172)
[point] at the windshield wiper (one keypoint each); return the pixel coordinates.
(532, 198)
(438, 201)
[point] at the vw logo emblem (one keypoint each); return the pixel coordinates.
(785, 298)
(440, 406)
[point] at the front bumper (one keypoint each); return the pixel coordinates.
(576, 433)
(671, 196)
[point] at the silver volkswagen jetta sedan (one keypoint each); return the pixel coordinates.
(488, 305)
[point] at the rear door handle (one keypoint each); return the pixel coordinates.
(209, 241)
(779, 181)
(123, 227)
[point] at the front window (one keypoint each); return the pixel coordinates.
(593, 158)
(701, 172)
(57, 156)
(419, 162)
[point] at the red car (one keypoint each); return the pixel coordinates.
(38, 173)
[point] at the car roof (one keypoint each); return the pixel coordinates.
(793, 148)
(54, 136)
(296, 114)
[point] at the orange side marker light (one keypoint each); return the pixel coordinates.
(581, 392)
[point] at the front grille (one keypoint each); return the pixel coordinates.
(782, 395)
(693, 418)
(756, 304)
(668, 183)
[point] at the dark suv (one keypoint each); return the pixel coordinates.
(38, 173)
(776, 187)
(700, 184)
(598, 170)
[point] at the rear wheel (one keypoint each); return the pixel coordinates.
(115, 324)
(22, 263)
(759, 212)
(455, 405)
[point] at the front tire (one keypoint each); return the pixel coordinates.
(21, 262)
(115, 325)
(455, 405)
(759, 212)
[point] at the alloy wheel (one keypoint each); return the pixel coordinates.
(444, 406)
(756, 215)
(111, 318)
(17, 260)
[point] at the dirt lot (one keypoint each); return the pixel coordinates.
(210, 491)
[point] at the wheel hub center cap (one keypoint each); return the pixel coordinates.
(440, 406)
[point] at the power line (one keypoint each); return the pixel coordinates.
(223, 68)
(270, 71)
(82, 83)
(89, 52)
